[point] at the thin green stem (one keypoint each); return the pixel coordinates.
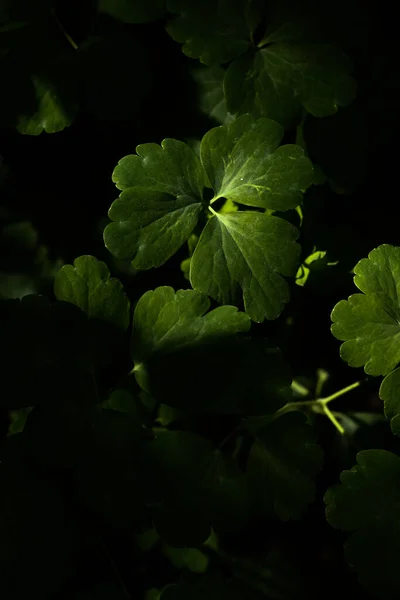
(318, 405)
(64, 32)
(345, 390)
(212, 210)
(333, 419)
(299, 388)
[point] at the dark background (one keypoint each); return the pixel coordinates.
(142, 91)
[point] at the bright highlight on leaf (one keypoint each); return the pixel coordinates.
(241, 256)
(245, 254)
(88, 285)
(160, 205)
(366, 503)
(243, 163)
(369, 323)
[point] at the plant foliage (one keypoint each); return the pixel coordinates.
(174, 409)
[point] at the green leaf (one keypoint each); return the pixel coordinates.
(149, 227)
(88, 285)
(57, 357)
(160, 204)
(369, 323)
(172, 168)
(133, 11)
(165, 321)
(244, 164)
(249, 87)
(214, 32)
(18, 419)
(285, 75)
(389, 392)
(194, 481)
(121, 401)
(190, 558)
(366, 503)
(211, 99)
(50, 114)
(282, 465)
(245, 254)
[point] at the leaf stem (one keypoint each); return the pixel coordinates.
(345, 390)
(333, 419)
(64, 32)
(212, 210)
(299, 388)
(318, 405)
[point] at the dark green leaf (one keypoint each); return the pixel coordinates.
(389, 392)
(167, 322)
(366, 503)
(195, 482)
(165, 319)
(282, 465)
(133, 11)
(214, 32)
(88, 285)
(285, 74)
(211, 99)
(50, 343)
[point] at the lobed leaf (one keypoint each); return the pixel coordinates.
(366, 503)
(213, 31)
(282, 465)
(88, 285)
(369, 323)
(244, 164)
(287, 74)
(245, 254)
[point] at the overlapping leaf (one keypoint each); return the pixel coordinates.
(195, 482)
(245, 254)
(369, 323)
(366, 503)
(282, 77)
(51, 341)
(176, 342)
(282, 466)
(288, 71)
(240, 255)
(88, 285)
(244, 163)
(211, 99)
(213, 31)
(389, 392)
(160, 204)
